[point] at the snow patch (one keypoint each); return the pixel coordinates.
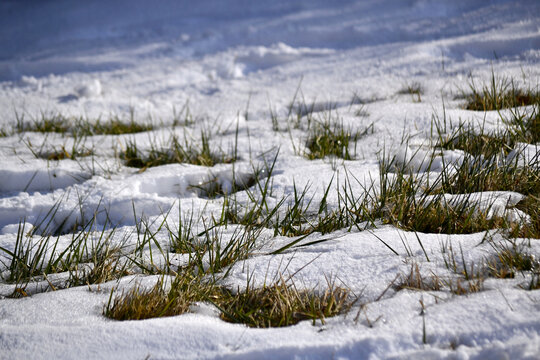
(40, 175)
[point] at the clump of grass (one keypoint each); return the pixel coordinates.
(301, 218)
(471, 280)
(361, 112)
(214, 255)
(510, 259)
(211, 252)
(139, 304)
(477, 142)
(438, 217)
(184, 117)
(332, 139)
(132, 157)
(73, 151)
(100, 263)
(86, 260)
(404, 202)
(487, 167)
(29, 258)
(464, 287)
(295, 219)
(525, 127)
(499, 93)
(520, 127)
(414, 89)
(282, 304)
(296, 110)
(62, 153)
(174, 152)
(531, 206)
(46, 124)
(182, 239)
(293, 215)
(399, 198)
(114, 126)
(416, 281)
(58, 123)
(475, 176)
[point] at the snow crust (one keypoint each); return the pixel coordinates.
(234, 64)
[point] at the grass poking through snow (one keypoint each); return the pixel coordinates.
(276, 305)
(499, 93)
(333, 139)
(174, 151)
(61, 124)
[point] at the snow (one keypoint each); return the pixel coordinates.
(232, 64)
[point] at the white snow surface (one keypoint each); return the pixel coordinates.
(233, 64)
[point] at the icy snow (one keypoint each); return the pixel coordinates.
(233, 63)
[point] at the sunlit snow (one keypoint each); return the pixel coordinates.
(228, 67)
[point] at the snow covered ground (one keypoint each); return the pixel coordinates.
(229, 68)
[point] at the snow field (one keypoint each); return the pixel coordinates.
(257, 82)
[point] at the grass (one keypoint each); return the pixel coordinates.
(69, 150)
(29, 258)
(101, 261)
(487, 167)
(293, 216)
(414, 280)
(76, 151)
(474, 175)
(138, 303)
(509, 260)
(212, 251)
(282, 304)
(62, 153)
(464, 287)
(477, 142)
(211, 243)
(468, 280)
(86, 259)
(403, 201)
(46, 124)
(182, 238)
(499, 93)
(211, 254)
(471, 278)
(398, 198)
(332, 139)
(57, 123)
(276, 305)
(438, 217)
(217, 254)
(174, 151)
(531, 206)
(414, 89)
(525, 126)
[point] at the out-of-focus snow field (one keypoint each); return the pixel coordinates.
(234, 63)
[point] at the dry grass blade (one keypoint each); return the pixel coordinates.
(416, 281)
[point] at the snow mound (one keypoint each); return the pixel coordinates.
(40, 175)
(262, 57)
